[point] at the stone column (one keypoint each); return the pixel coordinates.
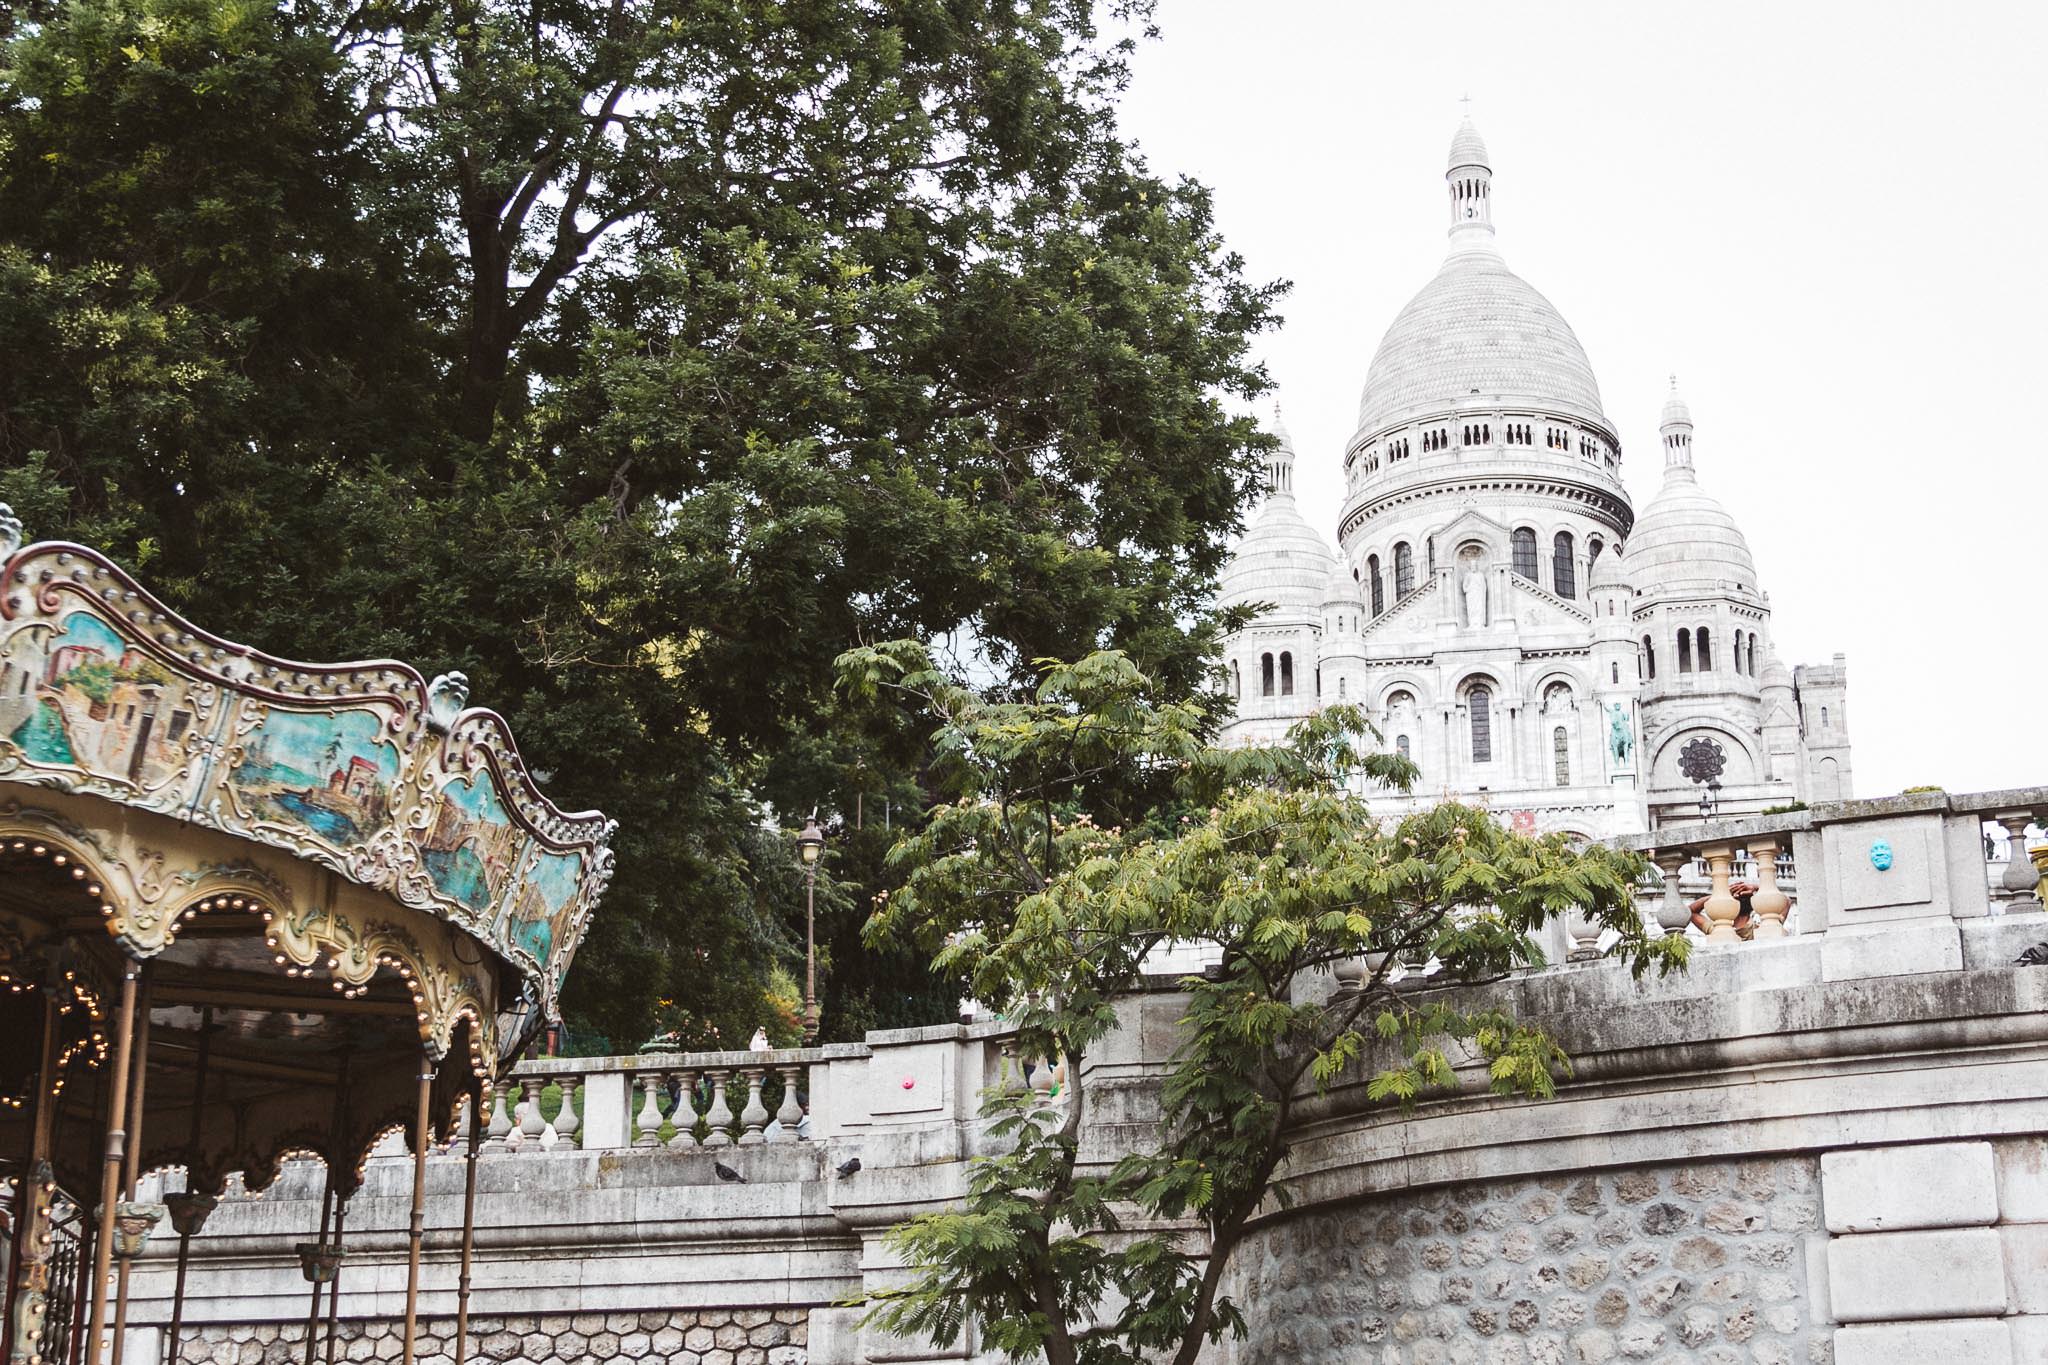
(1769, 903)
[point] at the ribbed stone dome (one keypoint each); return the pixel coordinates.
(1281, 559)
(1608, 571)
(1477, 329)
(1686, 541)
(1467, 147)
(1341, 588)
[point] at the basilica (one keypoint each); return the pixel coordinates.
(1495, 602)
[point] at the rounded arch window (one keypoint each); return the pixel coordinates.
(1479, 708)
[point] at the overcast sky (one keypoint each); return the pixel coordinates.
(1827, 219)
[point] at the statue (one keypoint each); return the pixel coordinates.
(1475, 598)
(1619, 741)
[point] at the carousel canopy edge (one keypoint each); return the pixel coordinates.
(366, 768)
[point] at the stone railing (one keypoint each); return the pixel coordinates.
(677, 1100)
(1928, 868)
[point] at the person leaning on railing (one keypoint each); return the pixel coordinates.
(1745, 915)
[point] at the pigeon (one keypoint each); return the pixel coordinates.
(728, 1174)
(2036, 956)
(849, 1166)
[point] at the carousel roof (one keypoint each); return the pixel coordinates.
(321, 872)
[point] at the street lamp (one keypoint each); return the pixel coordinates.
(1710, 799)
(811, 845)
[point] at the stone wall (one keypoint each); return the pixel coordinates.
(701, 1337)
(1701, 1262)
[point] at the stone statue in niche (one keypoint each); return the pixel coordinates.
(1475, 596)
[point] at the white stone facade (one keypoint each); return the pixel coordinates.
(1497, 605)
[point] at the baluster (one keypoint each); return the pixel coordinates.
(1351, 974)
(530, 1124)
(1041, 1081)
(2020, 876)
(500, 1130)
(568, 1121)
(1769, 904)
(718, 1117)
(791, 1113)
(1672, 915)
(1722, 908)
(649, 1117)
(515, 1140)
(685, 1116)
(754, 1117)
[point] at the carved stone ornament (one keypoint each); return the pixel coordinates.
(365, 769)
(1702, 759)
(132, 1225)
(190, 1210)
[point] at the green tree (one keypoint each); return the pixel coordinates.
(1089, 824)
(635, 359)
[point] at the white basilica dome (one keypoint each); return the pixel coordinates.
(1685, 540)
(1477, 330)
(1281, 559)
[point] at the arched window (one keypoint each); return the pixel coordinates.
(1650, 656)
(1372, 573)
(1480, 702)
(1236, 682)
(1593, 547)
(1738, 651)
(1614, 673)
(1561, 756)
(1752, 654)
(1685, 651)
(1706, 654)
(1525, 552)
(1266, 674)
(1286, 674)
(1401, 745)
(1562, 573)
(1340, 689)
(1823, 717)
(1404, 570)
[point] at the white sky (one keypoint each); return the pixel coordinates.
(1827, 219)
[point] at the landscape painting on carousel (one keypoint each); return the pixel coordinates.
(540, 917)
(82, 697)
(331, 773)
(471, 851)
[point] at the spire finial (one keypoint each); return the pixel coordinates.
(1280, 463)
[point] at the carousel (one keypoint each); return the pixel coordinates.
(250, 909)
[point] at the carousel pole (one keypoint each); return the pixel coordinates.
(330, 1196)
(334, 1285)
(185, 1226)
(31, 1267)
(312, 1261)
(476, 1138)
(110, 1170)
(419, 1213)
(131, 1170)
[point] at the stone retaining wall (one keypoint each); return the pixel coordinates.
(1704, 1262)
(699, 1337)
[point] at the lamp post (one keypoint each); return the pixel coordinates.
(811, 845)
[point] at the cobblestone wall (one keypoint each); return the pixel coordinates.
(698, 1337)
(1701, 1264)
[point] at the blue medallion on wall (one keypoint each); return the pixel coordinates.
(1881, 854)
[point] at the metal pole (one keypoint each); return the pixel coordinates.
(130, 1170)
(476, 1138)
(810, 953)
(313, 1266)
(334, 1285)
(328, 1193)
(110, 1170)
(31, 1269)
(192, 1147)
(419, 1212)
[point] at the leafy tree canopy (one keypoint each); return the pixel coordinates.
(1090, 824)
(636, 358)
